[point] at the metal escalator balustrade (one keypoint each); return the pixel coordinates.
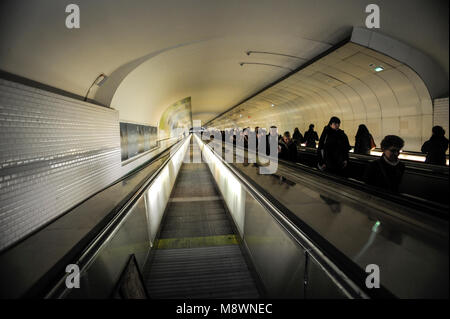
(341, 219)
(132, 231)
(287, 262)
(33, 266)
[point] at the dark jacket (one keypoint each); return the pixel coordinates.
(288, 151)
(363, 144)
(297, 137)
(333, 149)
(381, 174)
(310, 138)
(435, 149)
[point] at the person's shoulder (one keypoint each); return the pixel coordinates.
(377, 162)
(373, 166)
(342, 133)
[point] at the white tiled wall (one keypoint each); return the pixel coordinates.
(440, 114)
(54, 152)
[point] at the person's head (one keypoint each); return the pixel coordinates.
(311, 127)
(256, 129)
(296, 129)
(391, 146)
(362, 130)
(334, 123)
(438, 131)
(273, 130)
(286, 136)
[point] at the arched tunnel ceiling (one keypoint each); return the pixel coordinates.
(343, 83)
(158, 52)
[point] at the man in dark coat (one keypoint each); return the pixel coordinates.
(333, 148)
(387, 171)
(436, 147)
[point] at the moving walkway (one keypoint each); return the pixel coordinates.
(285, 235)
(420, 180)
(198, 253)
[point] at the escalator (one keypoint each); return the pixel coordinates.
(195, 226)
(197, 254)
(420, 180)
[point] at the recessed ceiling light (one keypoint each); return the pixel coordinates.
(378, 69)
(273, 105)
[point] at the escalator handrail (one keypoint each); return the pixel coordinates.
(409, 164)
(419, 204)
(88, 255)
(432, 208)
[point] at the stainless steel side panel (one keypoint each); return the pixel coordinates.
(105, 271)
(278, 259)
(319, 285)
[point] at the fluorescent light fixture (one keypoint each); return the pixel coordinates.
(378, 69)
(100, 79)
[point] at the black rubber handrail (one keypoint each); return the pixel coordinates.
(418, 204)
(409, 164)
(432, 208)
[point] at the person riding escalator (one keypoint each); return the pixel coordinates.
(287, 148)
(333, 148)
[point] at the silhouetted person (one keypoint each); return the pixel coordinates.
(272, 137)
(387, 171)
(436, 147)
(311, 137)
(297, 136)
(333, 148)
(288, 149)
(363, 141)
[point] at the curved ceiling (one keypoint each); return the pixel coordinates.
(158, 52)
(344, 83)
